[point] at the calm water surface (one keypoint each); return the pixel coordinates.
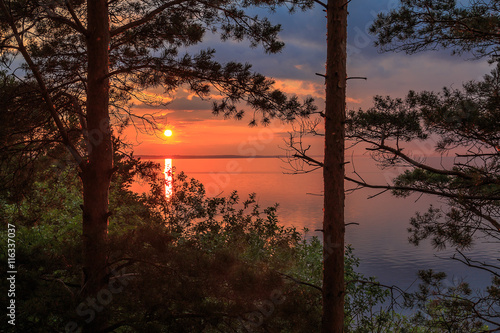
(380, 239)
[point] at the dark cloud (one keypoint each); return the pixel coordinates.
(186, 103)
(304, 34)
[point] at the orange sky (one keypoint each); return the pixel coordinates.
(197, 132)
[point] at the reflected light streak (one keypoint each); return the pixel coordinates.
(168, 178)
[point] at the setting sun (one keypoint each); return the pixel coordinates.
(168, 132)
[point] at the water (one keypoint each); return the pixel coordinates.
(380, 239)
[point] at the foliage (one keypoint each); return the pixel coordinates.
(25, 134)
(418, 25)
(386, 119)
(451, 308)
(362, 297)
(150, 49)
(95, 59)
(185, 264)
(462, 122)
(462, 125)
(48, 229)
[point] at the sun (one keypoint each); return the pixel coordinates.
(168, 132)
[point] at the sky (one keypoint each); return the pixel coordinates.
(197, 132)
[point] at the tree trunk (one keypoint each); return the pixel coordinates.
(333, 170)
(97, 170)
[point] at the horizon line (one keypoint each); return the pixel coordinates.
(221, 156)
(227, 156)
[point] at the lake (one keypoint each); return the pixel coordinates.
(380, 239)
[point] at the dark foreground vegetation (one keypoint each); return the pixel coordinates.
(186, 264)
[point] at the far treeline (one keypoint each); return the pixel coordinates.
(93, 256)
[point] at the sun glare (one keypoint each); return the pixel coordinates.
(168, 132)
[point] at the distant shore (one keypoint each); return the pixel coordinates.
(193, 157)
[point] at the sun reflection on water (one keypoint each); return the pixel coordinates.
(168, 178)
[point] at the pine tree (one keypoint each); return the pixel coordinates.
(88, 60)
(333, 168)
(462, 124)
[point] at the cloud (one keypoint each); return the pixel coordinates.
(396, 74)
(353, 100)
(193, 103)
(304, 34)
(300, 87)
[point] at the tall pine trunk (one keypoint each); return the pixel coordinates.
(96, 172)
(333, 170)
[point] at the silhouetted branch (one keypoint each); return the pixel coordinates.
(308, 159)
(421, 190)
(321, 3)
(476, 264)
(52, 15)
(378, 284)
(78, 23)
(41, 83)
(398, 152)
(301, 282)
(146, 18)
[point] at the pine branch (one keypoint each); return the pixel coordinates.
(308, 159)
(321, 3)
(399, 153)
(146, 18)
(76, 24)
(301, 282)
(423, 166)
(41, 83)
(421, 190)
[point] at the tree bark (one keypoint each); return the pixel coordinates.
(333, 169)
(97, 170)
